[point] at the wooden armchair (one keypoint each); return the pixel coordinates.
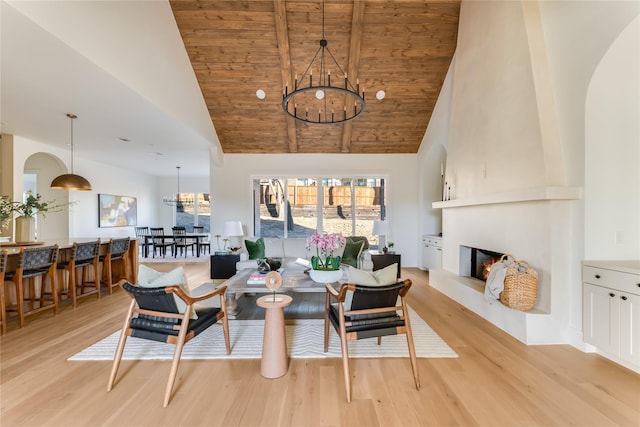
(153, 315)
(373, 313)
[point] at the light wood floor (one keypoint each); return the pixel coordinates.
(496, 381)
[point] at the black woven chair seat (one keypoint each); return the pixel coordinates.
(159, 328)
(34, 273)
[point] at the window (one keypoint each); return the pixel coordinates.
(297, 207)
(198, 213)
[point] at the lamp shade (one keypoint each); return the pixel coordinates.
(381, 228)
(233, 229)
(70, 181)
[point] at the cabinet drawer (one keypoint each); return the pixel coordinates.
(433, 241)
(625, 282)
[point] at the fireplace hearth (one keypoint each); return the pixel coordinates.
(477, 262)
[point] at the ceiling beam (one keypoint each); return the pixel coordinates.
(354, 61)
(282, 35)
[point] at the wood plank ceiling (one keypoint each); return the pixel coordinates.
(237, 47)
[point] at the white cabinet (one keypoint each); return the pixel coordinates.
(611, 309)
(431, 252)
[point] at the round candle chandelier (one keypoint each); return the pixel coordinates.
(321, 100)
(178, 201)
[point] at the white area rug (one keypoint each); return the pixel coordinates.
(305, 339)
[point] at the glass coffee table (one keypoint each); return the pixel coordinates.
(293, 280)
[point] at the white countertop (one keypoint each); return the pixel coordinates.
(628, 266)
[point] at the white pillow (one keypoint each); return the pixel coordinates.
(150, 278)
(382, 277)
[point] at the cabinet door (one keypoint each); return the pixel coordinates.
(601, 318)
(630, 328)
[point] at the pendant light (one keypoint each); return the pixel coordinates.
(70, 181)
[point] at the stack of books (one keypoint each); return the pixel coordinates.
(257, 279)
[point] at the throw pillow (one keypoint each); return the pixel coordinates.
(150, 278)
(352, 252)
(255, 249)
(355, 239)
(382, 277)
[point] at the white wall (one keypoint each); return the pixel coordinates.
(48, 162)
(612, 153)
(432, 158)
(232, 191)
(517, 122)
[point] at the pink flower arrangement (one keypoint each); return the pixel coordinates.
(325, 244)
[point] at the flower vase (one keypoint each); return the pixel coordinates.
(25, 229)
(325, 276)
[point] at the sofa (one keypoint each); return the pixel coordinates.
(290, 249)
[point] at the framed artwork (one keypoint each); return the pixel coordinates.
(117, 211)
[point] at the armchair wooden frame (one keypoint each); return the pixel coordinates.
(142, 302)
(366, 320)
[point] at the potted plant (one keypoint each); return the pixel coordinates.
(26, 212)
(391, 245)
(325, 266)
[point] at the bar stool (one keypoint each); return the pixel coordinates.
(32, 263)
(84, 256)
(117, 250)
(3, 310)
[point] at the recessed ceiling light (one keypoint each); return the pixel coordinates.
(157, 153)
(260, 94)
(380, 95)
(121, 139)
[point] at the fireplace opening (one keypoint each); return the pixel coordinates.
(476, 262)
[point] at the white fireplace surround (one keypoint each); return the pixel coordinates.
(530, 225)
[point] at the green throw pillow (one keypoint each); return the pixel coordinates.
(255, 249)
(355, 239)
(352, 252)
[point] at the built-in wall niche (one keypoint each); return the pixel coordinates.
(477, 262)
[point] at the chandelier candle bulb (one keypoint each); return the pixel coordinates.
(329, 77)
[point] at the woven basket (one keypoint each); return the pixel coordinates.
(520, 286)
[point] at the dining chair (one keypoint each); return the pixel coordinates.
(203, 243)
(142, 234)
(3, 310)
(84, 257)
(373, 313)
(153, 315)
(117, 251)
(182, 242)
(34, 262)
(160, 241)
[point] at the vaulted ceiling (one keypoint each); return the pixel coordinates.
(237, 47)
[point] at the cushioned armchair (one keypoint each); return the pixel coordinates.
(153, 315)
(373, 313)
